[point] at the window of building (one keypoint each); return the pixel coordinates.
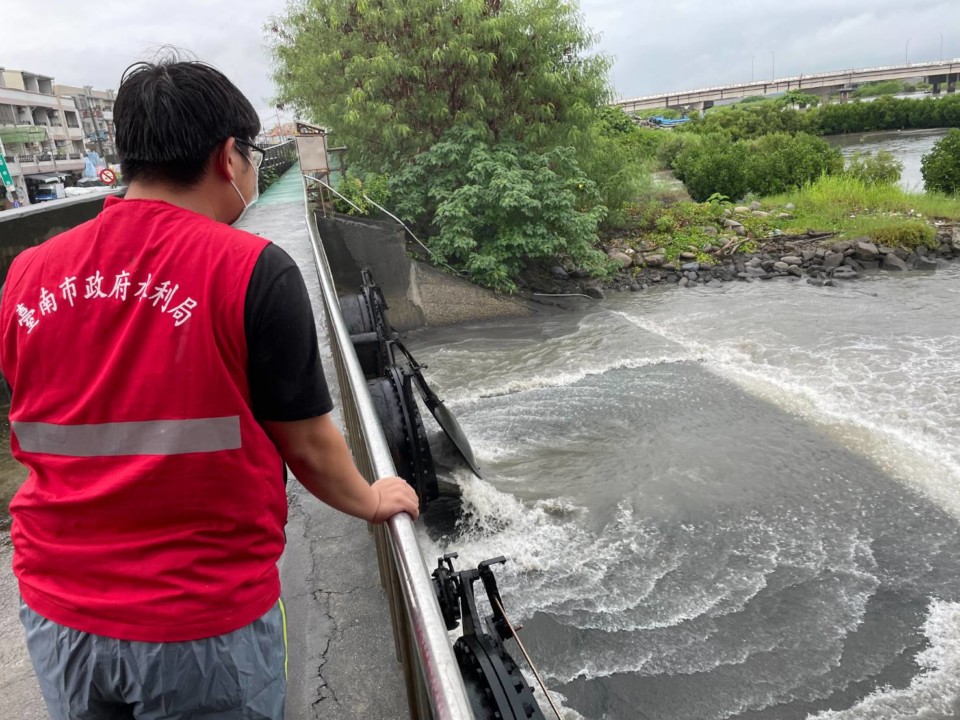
(72, 120)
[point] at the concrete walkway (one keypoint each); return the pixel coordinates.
(342, 662)
(342, 658)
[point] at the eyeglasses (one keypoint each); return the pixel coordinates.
(257, 153)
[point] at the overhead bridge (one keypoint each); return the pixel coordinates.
(942, 75)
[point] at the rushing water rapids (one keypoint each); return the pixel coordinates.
(734, 502)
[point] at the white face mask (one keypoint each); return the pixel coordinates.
(256, 192)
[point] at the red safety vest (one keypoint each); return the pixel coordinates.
(155, 504)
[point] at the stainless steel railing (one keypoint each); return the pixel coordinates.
(434, 685)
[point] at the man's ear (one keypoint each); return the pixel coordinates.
(225, 160)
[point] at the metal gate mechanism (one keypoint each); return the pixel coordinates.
(495, 686)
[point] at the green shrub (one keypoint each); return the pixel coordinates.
(492, 207)
(752, 120)
(776, 163)
(715, 164)
(614, 154)
(909, 235)
(673, 144)
(266, 178)
(880, 169)
(880, 87)
(941, 166)
(771, 164)
(799, 98)
(354, 189)
(668, 113)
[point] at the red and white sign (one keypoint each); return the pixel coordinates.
(108, 176)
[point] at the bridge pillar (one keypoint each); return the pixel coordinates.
(937, 81)
(951, 83)
(845, 95)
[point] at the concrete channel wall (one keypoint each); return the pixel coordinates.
(28, 226)
(417, 294)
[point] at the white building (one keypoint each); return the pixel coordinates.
(96, 115)
(40, 132)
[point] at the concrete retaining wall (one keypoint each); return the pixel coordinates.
(417, 294)
(28, 226)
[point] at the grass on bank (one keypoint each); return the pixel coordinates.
(668, 225)
(853, 208)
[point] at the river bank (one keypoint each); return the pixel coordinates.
(794, 260)
(832, 229)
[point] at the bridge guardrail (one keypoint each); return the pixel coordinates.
(435, 689)
(281, 154)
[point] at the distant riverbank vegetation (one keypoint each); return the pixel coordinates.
(749, 120)
(502, 153)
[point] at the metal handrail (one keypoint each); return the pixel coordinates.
(435, 688)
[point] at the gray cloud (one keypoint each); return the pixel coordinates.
(685, 44)
(93, 43)
(657, 46)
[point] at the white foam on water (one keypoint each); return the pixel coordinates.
(903, 442)
(934, 694)
(477, 396)
(467, 373)
(611, 583)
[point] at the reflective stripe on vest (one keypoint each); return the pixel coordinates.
(152, 437)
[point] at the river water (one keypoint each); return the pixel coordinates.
(907, 146)
(733, 502)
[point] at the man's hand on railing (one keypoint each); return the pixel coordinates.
(394, 495)
(319, 457)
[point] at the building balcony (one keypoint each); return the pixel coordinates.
(23, 133)
(12, 96)
(35, 165)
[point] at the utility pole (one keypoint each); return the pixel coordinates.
(906, 52)
(773, 65)
(752, 59)
(88, 93)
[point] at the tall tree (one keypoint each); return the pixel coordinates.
(391, 77)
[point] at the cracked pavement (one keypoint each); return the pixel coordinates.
(342, 658)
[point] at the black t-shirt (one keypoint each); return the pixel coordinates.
(284, 369)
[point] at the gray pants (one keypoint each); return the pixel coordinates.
(237, 676)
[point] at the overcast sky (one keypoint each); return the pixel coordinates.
(657, 46)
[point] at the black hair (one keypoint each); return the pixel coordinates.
(169, 116)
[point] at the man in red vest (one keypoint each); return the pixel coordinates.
(163, 367)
